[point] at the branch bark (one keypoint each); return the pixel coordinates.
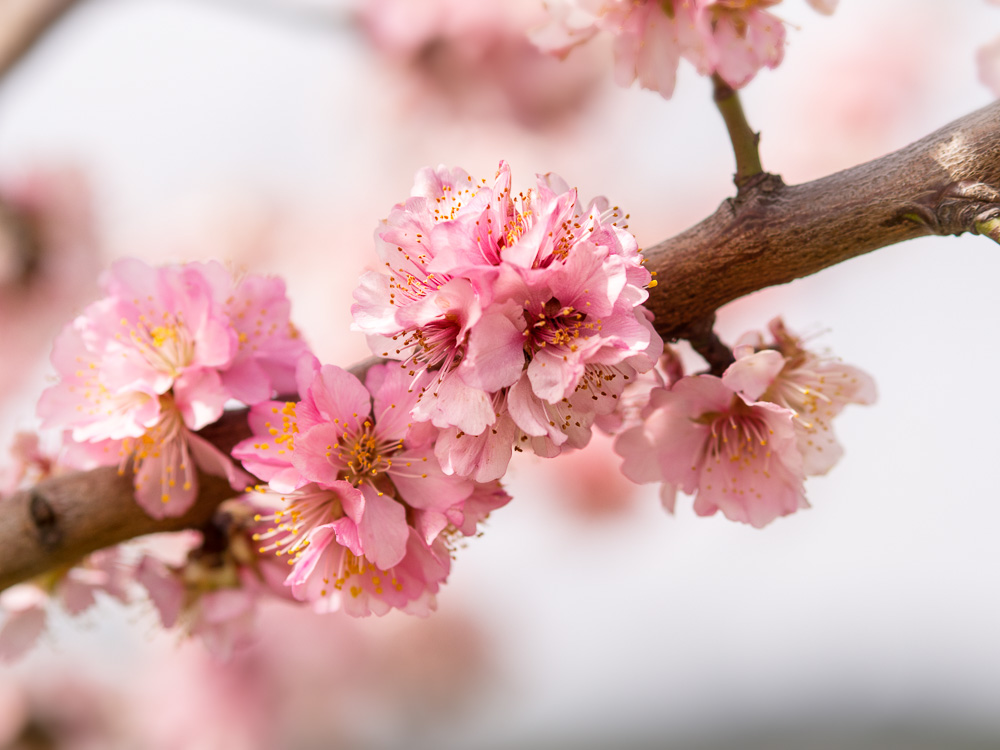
(946, 183)
(23, 23)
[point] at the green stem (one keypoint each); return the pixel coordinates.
(743, 138)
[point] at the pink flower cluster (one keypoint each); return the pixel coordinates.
(731, 38)
(356, 499)
(745, 442)
(157, 359)
(522, 314)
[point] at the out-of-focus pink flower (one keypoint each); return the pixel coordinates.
(365, 511)
(74, 588)
(734, 453)
(814, 387)
(477, 54)
(157, 359)
(30, 464)
(213, 594)
(48, 254)
(589, 482)
(650, 37)
(526, 309)
(988, 65)
(732, 38)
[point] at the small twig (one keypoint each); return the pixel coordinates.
(704, 340)
(744, 139)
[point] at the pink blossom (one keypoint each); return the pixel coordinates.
(732, 38)
(815, 388)
(357, 500)
(524, 307)
(48, 262)
(74, 588)
(746, 38)
(156, 360)
(476, 55)
(650, 37)
(734, 453)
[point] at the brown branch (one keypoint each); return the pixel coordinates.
(60, 520)
(946, 183)
(23, 23)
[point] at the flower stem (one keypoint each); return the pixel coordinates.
(743, 138)
(704, 340)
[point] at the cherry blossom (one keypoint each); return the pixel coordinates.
(734, 453)
(731, 38)
(157, 359)
(745, 442)
(356, 498)
(526, 310)
(476, 56)
(815, 388)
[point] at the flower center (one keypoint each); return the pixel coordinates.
(168, 347)
(288, 529)
(364, 455)
(556, 326)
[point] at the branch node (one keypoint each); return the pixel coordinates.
(45, 520)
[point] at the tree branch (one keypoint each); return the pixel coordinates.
(946, 183)
(742, 136)
(23, 23)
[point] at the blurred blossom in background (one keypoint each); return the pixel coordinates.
(274, 135)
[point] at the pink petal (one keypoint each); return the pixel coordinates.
(165, 590)
(752, 375)
(422, 484)
(382, 530)
(20, 632)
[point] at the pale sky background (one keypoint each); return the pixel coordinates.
(203, 121)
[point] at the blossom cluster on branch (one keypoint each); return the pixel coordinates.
(507, 321)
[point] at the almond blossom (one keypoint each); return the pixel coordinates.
(525, 310)
(731, 38)
(745, 442)
(156, 360)
(734, 453)
(815, 388)
(356, 498)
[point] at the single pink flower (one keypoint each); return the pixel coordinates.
(735, 454)
(815, 388)
(746, 38)
(156, 360)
